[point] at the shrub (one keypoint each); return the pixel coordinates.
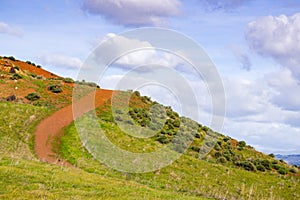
(276, 166)
(261, 168)
(137, 93)
(242, 144)
(195, 148)
(55, 88)
(17, 67)
(39, 66)
(246, 165)
(68, 80)
(271, 155)
(222, 159)
(11, 58)
(16, 77)
(293, 170)
(11, 98)
(282, 170)
(33, 96)
(162, 139)
(266, 164)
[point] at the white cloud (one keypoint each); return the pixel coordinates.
(277, 37)
(7, 29)
(60, 61)
(143, 53)
(223, 4)
(286, 90)
(133, 12)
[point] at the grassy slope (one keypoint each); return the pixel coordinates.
(22, 176)
(188, 175)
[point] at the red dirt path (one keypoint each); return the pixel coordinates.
(51, 127)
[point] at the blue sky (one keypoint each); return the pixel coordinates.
(254, 44)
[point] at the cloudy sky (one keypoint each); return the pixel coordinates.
(254, 45)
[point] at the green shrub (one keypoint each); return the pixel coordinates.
(163, 139)
(17, 67)
(68, 80)
(222, 159)
(195, 148)
(242, 144)
(16, 77)
(39, 66)
(246, 165)
(55, 88)
(260, 168)
(271, 155)
(293, 170)
(11, 58)
(282, 170)
(33, 96)
(266, 164)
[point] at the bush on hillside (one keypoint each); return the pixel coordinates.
(16, 77)
(11, 58)
(68, 80)
(246, 165)
(55, 88)
(33, 96)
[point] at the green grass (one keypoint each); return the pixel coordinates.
(17, 122)
(190, 176)
(22, 176)
(23, 179)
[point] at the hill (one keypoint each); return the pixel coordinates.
(231, 169)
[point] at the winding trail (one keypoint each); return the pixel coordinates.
(51, 127)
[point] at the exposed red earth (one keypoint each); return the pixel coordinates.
(51, 127)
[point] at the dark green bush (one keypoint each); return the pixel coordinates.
(195, 148)
(222, 159)
(293, 170)
(33, 96)
(11, 58)
(163, 139)
(39, 66)
(271, 155)
(282, 170)
(55, 88)
(260, 168)
(246, 165)
(266, 164)
(242, 144)
(68, 80)
(17, 67)
(16, 77)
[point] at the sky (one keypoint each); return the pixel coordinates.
(253, 44)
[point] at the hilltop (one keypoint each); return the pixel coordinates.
(231, 169)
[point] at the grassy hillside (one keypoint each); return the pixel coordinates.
(22, 176)
(188, 175)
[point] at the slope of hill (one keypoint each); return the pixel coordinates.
(230, 170)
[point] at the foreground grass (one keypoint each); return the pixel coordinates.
(22, 176)
(23, 179)
(17, 123)
(187, 175)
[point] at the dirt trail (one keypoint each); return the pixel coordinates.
(50, 127)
